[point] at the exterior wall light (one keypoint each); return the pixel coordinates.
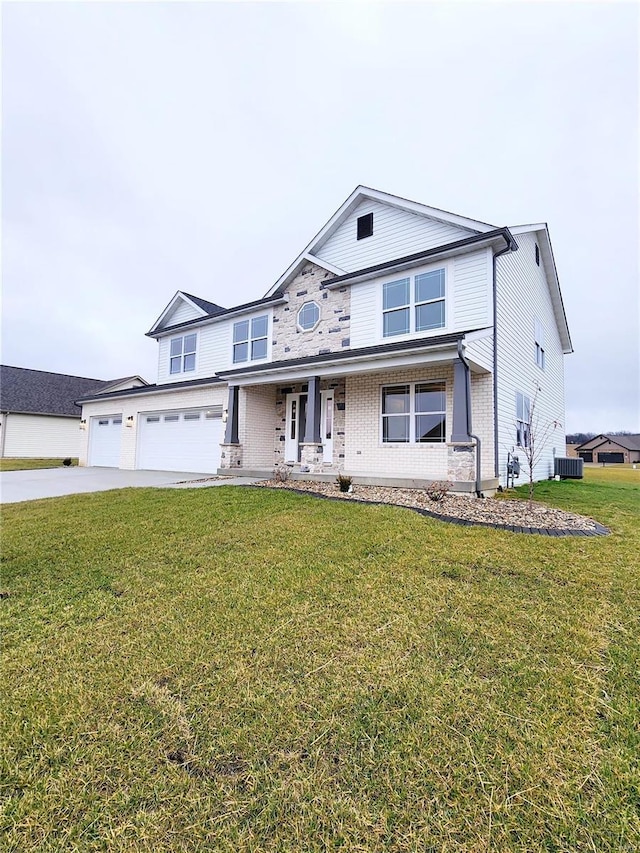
(83, 424)
(129, 421)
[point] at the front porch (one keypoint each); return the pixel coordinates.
(319, 426)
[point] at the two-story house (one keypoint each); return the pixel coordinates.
(403, 345)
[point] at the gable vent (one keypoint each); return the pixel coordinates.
(365, 226)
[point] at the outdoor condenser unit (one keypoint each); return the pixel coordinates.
(568, 468)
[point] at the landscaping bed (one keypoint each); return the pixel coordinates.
(503, 513)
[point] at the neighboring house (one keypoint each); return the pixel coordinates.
(403, 345)
(38, 413)
(610, 448)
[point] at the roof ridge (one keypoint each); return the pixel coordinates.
(57, 373)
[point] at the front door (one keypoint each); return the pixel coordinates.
(295, 426)
(326, 426)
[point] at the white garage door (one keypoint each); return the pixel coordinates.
(181, 440)
(104, 441)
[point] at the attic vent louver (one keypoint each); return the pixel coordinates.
(365, 226)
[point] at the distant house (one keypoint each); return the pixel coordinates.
(610, 448)
(38, 413)
(404, 345)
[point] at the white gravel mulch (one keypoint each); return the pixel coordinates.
(534, 517)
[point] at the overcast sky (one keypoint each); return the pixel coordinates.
(199, 146)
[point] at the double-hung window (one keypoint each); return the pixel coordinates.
(415, 412)
(250, 339)
(523, 419)
(182, 355)
(414, 304)
(539, 336)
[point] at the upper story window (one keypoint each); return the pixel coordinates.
(523, 419)
(539, 344)
(309, 316)
(250, 339)
(414, 304)
(182, 354)
(414, 413)
(537, 254)
(365, 226)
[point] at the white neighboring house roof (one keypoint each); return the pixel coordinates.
(357, 196)
(541, 231)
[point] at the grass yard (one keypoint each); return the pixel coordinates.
(8, 464)
(234, 669)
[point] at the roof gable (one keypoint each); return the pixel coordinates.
(184, 308)
(423, 228)
(549, 265)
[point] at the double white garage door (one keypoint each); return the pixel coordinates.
(167, 441)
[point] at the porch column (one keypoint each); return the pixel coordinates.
(461, 398)
(231, 432)
(312, 427)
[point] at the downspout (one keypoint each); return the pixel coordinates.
(511, 247)
(467, 390)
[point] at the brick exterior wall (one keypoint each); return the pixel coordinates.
(332, 331)
(256, 409)
(366, 454)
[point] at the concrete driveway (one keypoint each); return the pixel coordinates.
(16, 486)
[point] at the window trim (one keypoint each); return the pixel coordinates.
(250, 340)
(413, 304)
(318, 318)
(523, 424)
(183, 354)
(413, 413)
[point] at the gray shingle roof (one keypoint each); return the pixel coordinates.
(40, 392)
(209, 307)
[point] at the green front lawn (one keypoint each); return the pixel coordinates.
(8, 464)
(234, 669)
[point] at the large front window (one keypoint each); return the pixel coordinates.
(182, 356)
(250, 339)
(414, 304)
(414, 413)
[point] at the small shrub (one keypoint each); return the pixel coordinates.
(281, 473)
(438, 489)
(344, 482)
(67, 462)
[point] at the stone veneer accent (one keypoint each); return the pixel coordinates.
(331, 334)
(231, 456)
(338, 388)
(461, 462)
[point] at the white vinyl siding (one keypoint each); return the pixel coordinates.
(215, 350)
(182, 313)
(472, 302)
(468, 299)
(480, 349)
(180, 441)
(522, 298)
(396, 233)
(40, 436)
